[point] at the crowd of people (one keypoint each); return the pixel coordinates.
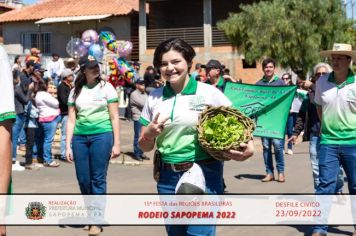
(77, 96)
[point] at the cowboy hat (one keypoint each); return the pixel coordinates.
(70, 63)
(340, 49)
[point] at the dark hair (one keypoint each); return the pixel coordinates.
(175, 44)
(16, 58)
(42, 85)
(289, 77)
(55, 54)
(80, 81)
(267, 61)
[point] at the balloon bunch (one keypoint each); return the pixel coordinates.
(120, 69)
(88, 44)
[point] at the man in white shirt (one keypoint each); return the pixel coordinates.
(55, 68)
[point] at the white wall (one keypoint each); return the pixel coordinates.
(61, 32)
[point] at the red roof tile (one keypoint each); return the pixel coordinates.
(60, 8)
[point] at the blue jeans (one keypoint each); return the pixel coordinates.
(64, 120)
(91, 158)
(278, 152)
(213, 173)
(292, 118)
(331, 157)
(16, 130)
(137, 129)
(314, 147)
(48, 130)
(22, 136)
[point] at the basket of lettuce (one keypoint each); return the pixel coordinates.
(223, 128)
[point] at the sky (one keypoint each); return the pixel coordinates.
(29, 1)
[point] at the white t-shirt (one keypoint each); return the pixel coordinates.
(7, 103)
(92, 108)
(178, 142)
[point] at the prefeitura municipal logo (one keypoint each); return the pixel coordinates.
(35, 211)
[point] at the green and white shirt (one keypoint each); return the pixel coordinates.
(179, 140)
(7, 107)
(338, 104)
(92, 108)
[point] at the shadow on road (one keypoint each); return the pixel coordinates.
(249, 176)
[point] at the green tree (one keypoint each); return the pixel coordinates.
(291, 31)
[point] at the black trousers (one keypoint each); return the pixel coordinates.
(30, 141)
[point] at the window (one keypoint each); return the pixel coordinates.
(247, 65)
(40, 40)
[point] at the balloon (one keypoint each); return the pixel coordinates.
(106, 37)
(75, 48)
(124, 68)
(124, 48)
(96, 51)
(89, 37)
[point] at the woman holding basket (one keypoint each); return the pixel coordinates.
(169, 120)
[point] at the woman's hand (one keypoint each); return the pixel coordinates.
(247, 151)
(155, 128)
(115, 152)
(69, 155)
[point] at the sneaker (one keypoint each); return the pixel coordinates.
(39, 165)
(17, 167)
(51, 164)
(137, 158)
(32, 166)
(144, 157)
(289, 152)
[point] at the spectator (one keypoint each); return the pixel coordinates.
(49, 116)
(17, 64)
(214, 71)
(137, 101)
(34, 56)
(55, 68)
(23, 92)
(292, 117)
(62, 95)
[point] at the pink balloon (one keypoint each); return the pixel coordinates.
(89, 37)
(124, 48)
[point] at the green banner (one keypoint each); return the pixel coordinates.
(268, 105)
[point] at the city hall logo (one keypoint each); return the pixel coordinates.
(35, 211)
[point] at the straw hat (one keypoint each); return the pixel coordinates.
(69, 63)
(340, 49)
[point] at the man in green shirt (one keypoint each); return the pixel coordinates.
(335, 96)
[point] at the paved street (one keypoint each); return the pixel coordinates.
(241, 177)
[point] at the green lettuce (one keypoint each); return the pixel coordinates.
(220, 131)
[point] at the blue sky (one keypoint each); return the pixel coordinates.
(29, 1)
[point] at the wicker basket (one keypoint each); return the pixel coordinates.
(210, 112)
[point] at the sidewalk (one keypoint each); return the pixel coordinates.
(133, 177)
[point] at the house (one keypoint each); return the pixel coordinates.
(195, 22)
(50, 24)
(4, 8)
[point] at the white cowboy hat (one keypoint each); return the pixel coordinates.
(340, 49)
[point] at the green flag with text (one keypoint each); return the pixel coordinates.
(268, 106)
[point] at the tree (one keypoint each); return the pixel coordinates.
(291, 31)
